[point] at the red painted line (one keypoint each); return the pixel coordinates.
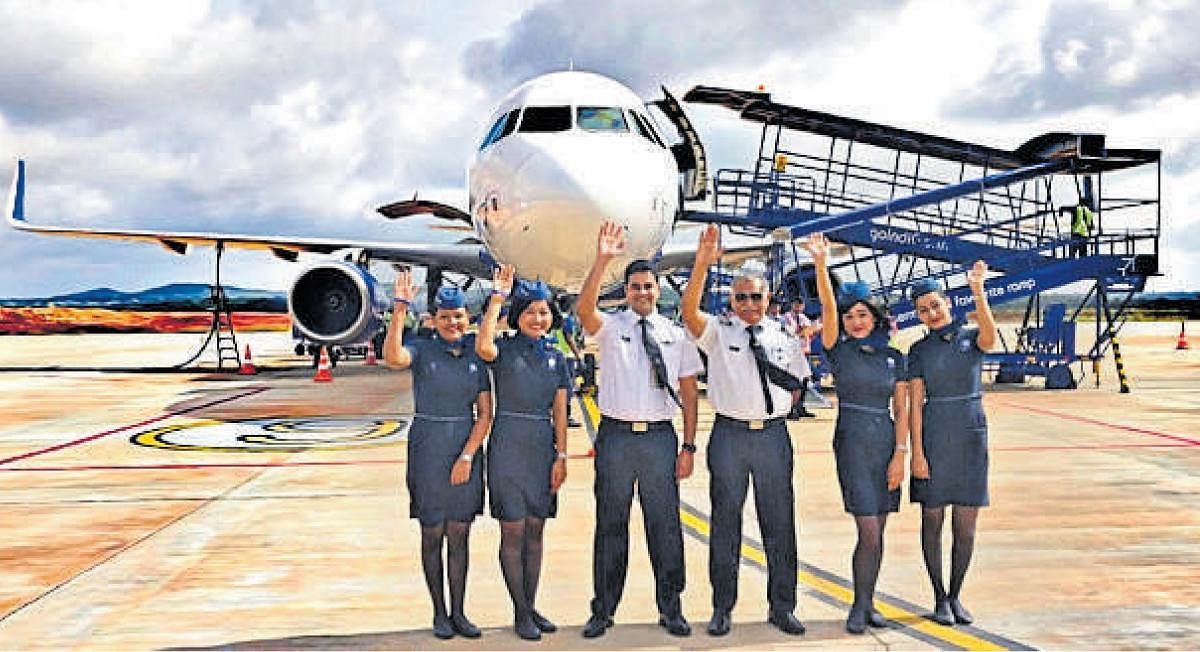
(197, 466)
(1104, 424)
(146, 422)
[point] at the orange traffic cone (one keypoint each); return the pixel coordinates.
(324, 375)
(371, 359)
(1182, 344)
(247, 368)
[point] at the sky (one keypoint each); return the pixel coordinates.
(299, 118)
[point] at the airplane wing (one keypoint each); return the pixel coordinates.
(679, 255)
(468, 258)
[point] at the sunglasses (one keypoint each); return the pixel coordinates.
(753, 296)
(641, 287)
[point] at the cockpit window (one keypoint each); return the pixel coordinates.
(601, 118)
(503, 127)
(644, 128)
(539, 119)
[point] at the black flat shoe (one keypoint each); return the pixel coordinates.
(464, 627)
(961, 615)
(596, 626)
(856, 622)
(442, 627)
(876, 620)
(542, 622)
(787, 622)
(525, 628)
(720, 623)
(942, 614)
(675, 625)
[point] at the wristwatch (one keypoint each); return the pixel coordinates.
(903, 448)
(466, 457)
(688, 446)
(562, 455)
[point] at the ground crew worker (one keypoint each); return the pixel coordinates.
(452, 417)
(649, 373)
(949, 433)
(526, 456)
(1082, 220)
(868, 446)
(749, 440)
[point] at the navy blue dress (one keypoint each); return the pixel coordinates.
(447, 380)
(521, 451)
(866, 372)
(954, 431)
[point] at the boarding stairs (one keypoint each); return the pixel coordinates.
(909, 205)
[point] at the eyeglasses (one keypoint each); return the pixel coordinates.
(641, 287)
(753, 296)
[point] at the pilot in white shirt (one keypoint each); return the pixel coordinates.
(753, 366)
(648, 372)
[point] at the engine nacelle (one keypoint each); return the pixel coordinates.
(335, 302)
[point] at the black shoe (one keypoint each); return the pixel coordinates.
(787, 622)
(719, 624)
(442, 627)
(876, 619)
(856, 622)
(464, 627)
(806, 414)
(524, 627)
(596, 626)
(961, 615)
(942, 614)
(542, 622)
(675, 625)
(573, 423)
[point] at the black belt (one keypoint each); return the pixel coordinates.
(753, 424)
(636, 426)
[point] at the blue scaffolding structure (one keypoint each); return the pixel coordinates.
(908, 205)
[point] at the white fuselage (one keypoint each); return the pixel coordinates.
(566, 152)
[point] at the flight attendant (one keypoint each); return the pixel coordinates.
(949, 433)
(753, 364)
(452, 417)
(527, 455)
(649, 374)
(869, 446)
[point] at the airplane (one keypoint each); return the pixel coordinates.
(564, 152)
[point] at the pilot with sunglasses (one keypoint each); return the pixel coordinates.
(754, 366)
(649, 373)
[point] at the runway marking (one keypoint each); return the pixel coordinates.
(839, 592)
(139, 424)
(1104, 424)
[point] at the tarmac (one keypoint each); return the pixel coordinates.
(215, 511)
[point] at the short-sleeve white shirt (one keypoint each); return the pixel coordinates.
(628, 390)
(734, 388)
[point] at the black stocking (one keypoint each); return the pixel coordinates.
(962, 522)
(868, 555)
(457, 561)
(931, 547)
(512, 548)
(533, 557)
(431, 563)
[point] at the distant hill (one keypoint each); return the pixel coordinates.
(174, 297)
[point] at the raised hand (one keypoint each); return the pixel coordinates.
(709, 249)
(817, 246)
(977, 275)
(404, 288)
(502, 279)
(611, 241)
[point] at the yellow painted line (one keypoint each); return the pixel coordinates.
(838, 592)
(593, 410)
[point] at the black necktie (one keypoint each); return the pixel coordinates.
(656, 360)
(768, 372)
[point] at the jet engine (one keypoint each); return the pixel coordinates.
(335, 302)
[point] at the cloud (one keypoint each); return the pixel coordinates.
(1090, 53)
(643, 44)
